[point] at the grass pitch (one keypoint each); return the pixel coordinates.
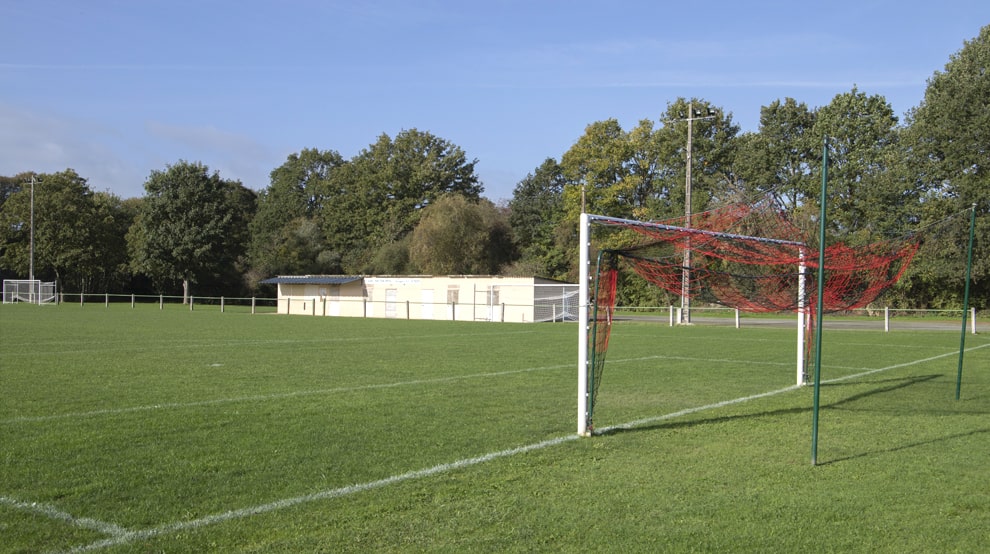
(137, 430)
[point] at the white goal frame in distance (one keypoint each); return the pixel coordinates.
(584, 287)
(32, 291)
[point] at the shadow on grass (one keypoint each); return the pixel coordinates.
(891, 384)
(896, 384)
(905, 446)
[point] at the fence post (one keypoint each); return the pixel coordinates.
(106, 300)
(671, 315)
(407, 310)
(252, 305)
(972, 319)
(501, 318)
(161, 301)
(81, 299)
(132, 300)
(221, 304)
(886, 319)
(737, 318)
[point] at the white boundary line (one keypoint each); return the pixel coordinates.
(277, 396)
(120, 535)
(294, 394)
(182, 344)
(55, 513)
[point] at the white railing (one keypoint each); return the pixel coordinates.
(555, 308)
(885, 318)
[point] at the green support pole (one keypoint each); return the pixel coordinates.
(969, 273)
(818, 306)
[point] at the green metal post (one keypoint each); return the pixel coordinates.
(969, 273)
(818, 306)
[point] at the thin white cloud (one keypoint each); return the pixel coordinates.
(208, 138)
(30, 141)
(233, 155)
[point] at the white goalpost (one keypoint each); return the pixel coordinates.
(31, 291)
(585, 299)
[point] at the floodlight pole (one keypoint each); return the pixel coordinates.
(686, 271)
(31, 262)
(969, 273)
(818, 306)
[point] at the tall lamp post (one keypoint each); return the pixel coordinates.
(31, 262)
(693, 115)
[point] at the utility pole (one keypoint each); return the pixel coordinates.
(686, 271)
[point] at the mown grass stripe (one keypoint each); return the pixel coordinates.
(124, 536)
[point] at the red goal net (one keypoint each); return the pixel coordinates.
(748, 257)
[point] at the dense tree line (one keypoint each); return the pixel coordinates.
(412, 203)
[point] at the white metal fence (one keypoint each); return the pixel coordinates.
(885, 318)
(552, 303)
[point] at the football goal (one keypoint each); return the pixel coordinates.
(32, 291)
(748, 257)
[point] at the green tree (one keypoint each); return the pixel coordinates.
(192, 227)
(73, 233)
(535, 212)
(286, 234)
(597, 166)
(947, 155)
(112, 218)
(783, 156)
(714, 142)
(863, 196)
(11, 185)
(461, 236)
(377, 198)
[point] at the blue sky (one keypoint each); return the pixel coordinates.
(117, 88)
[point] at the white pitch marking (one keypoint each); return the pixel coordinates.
(122, 536)
(55, 513)
(192, 343)
(321, 495)
(279, 396)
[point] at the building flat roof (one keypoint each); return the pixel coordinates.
(311, 280)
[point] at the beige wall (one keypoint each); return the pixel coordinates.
(460, 298)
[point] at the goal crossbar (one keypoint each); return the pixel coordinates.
(606, 220)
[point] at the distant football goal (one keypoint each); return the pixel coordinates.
(32, 291)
